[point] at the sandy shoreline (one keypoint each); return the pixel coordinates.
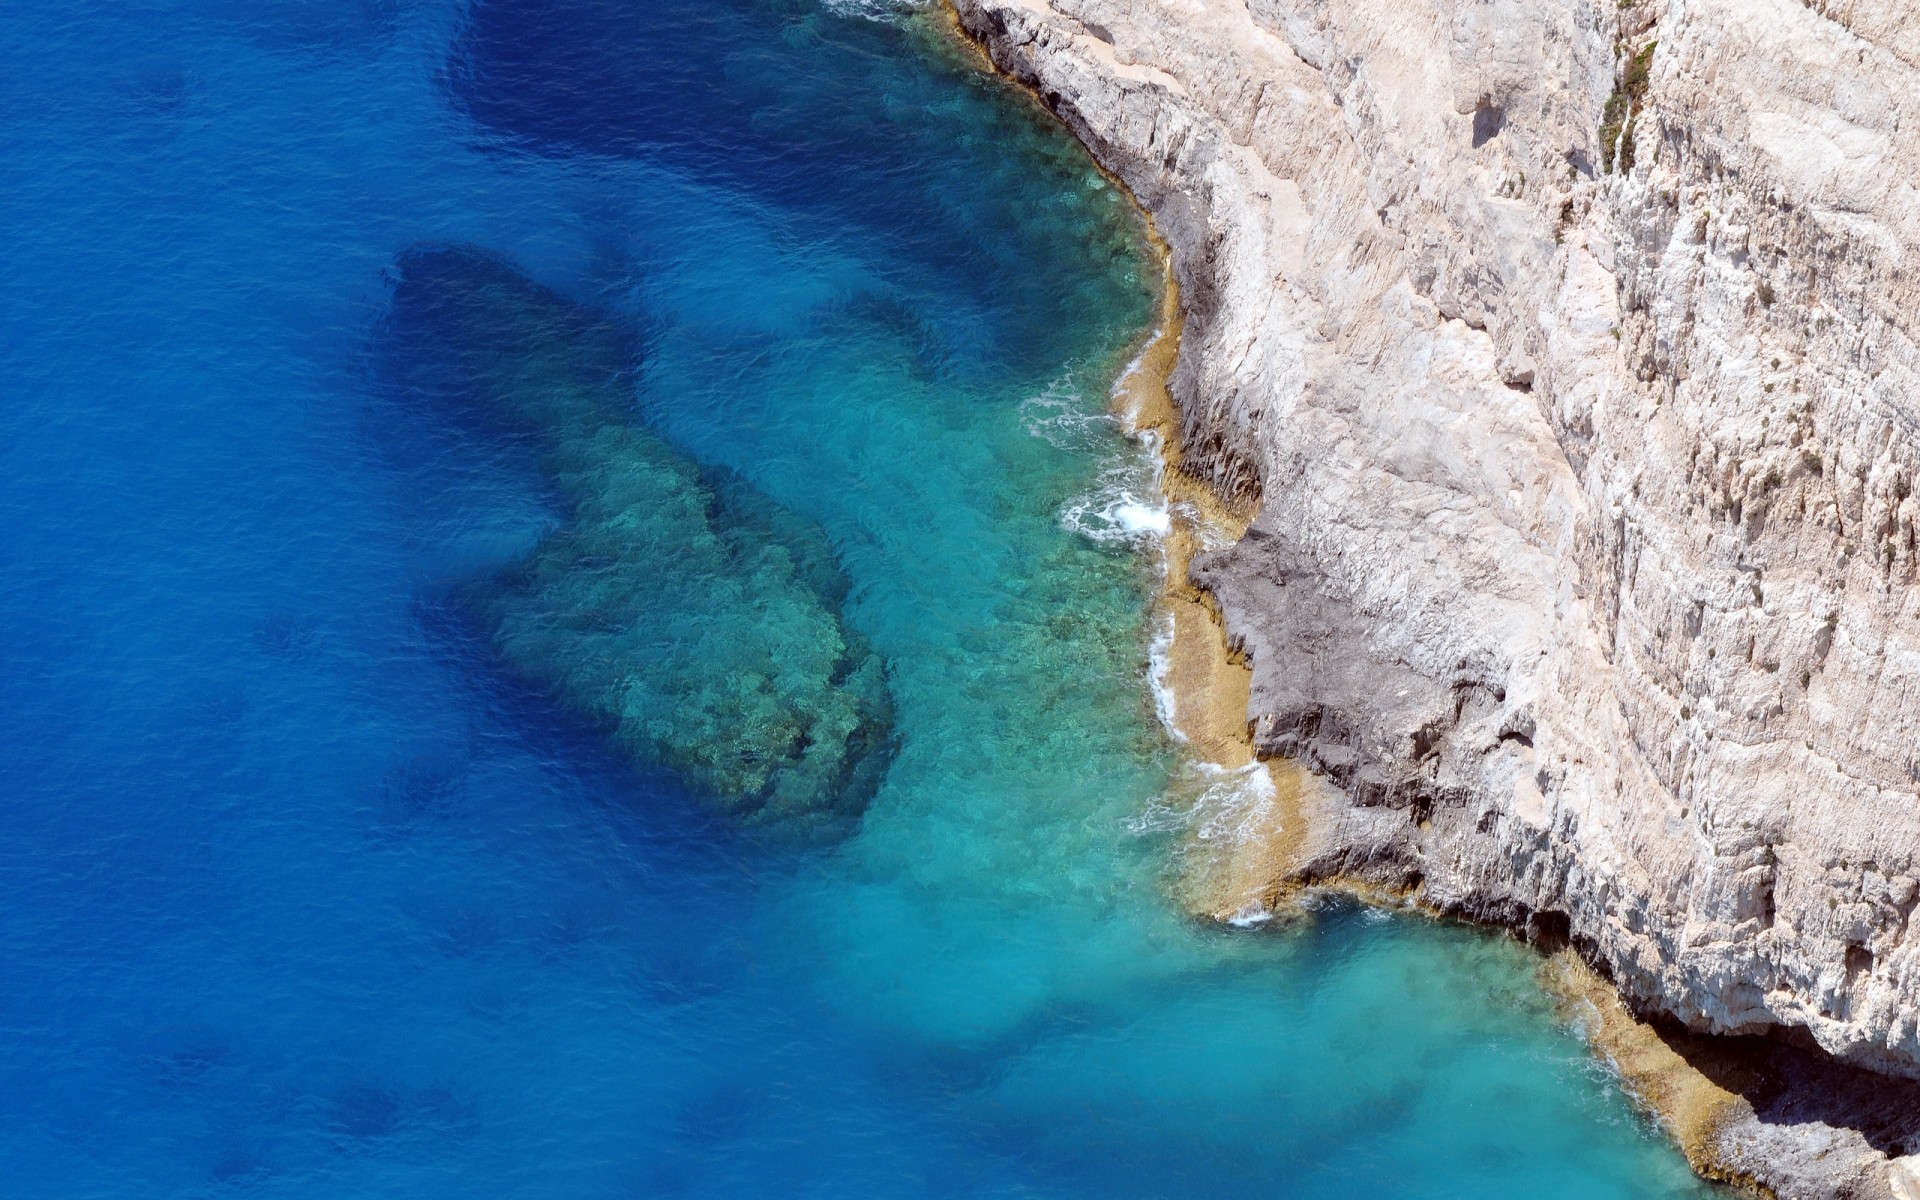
(1247, 822)
(1689, 1104)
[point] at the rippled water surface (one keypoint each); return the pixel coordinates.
(541, 656)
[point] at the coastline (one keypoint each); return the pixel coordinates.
(1488, 591)
(1250, 855)
(1242, 864)
(1246, 823)
(1689, 1105)
(1247, 871)
(1245, 859)
(1246, 820)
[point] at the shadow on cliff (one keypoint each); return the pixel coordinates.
(1783, 1075)
(1788, 1080)
(676, 608)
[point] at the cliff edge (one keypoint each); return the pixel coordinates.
(1568, 352)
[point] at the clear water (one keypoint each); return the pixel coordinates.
(310, 888)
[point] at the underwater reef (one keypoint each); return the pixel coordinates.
(676, 606)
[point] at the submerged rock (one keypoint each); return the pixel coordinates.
(689, 614)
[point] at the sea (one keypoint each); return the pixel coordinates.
(550, 646)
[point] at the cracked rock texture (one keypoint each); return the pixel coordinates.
(1577, 385)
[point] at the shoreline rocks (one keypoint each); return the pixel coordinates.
(1569, 355)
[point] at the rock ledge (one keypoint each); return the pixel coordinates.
(1569, 353)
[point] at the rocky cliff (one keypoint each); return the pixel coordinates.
(1568, 351)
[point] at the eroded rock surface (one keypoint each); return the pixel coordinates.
(1569, 352)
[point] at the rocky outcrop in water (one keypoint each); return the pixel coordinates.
(679, 608)
(1569, 352)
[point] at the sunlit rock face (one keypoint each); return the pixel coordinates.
(1569, 353)
(678, 607)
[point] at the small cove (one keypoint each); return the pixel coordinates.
(309, 891)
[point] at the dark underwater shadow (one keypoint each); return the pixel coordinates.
(875, 130)
(672, 608)
(514, 718)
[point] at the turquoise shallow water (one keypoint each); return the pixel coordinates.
(321, 875)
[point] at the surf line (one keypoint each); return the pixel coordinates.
(1240, 820)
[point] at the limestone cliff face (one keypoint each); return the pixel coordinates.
(1569, 350)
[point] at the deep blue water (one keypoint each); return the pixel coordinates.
(318, 880)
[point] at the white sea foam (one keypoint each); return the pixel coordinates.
(1250, 915)
(1114, 513)
(1215, 811)
(1137, 518)
(1237, 804)
(1059, 417)
(1216, 804)
(890, 11)
(1134, 366)
(1159, 665)
(1128, 504)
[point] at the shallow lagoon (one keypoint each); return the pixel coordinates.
(305, 890)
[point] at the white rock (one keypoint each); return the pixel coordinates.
(1586, 559)
(1903, 1175)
